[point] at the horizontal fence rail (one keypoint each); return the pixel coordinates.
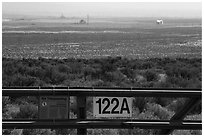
(111, 92)
(82, 123)
(94, 123)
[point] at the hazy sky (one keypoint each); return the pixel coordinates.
(134, 9)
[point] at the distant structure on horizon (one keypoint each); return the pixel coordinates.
(6, 20)
(62, 16)
(87, 19)
(84, 21)
(160, 21)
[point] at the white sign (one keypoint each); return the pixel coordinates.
(112, 107)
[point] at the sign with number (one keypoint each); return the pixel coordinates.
(112, 107)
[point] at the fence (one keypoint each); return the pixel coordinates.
(81, 123)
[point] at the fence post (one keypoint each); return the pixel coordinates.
(81, 113)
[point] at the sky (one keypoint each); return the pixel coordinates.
(104, 9)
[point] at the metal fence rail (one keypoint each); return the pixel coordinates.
(116, 92)
(81, 123)
(98, 123)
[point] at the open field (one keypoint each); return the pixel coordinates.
(125, 37)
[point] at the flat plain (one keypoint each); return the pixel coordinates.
(138, 38)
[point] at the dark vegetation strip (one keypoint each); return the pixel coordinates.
(106, 72)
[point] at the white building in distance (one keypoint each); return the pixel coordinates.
(159, 21)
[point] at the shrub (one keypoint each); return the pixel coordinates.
(176, 104)
(115, 76)
(128, 72)
(28, 111)
(150, 75)
(22, 80)
(17, 132)
(102, 131)
(89, 71)
(63, 68)
(76, 67)
(52, 76)
(38, 132)
(140, 103)
(5, 101)
(163, 101)
(159, 111)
